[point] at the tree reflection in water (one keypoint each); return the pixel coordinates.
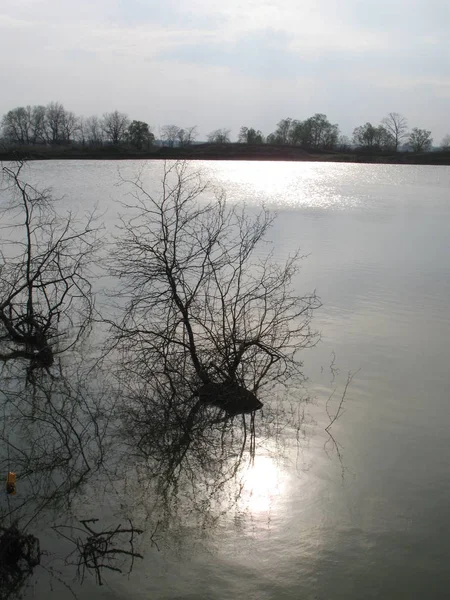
(168, 422)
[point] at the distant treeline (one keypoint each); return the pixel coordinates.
(53, 125)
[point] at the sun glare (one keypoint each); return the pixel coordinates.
(283, 185)
(263, 484)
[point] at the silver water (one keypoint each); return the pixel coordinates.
(371, 522)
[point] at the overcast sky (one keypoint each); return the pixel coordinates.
(227, 63)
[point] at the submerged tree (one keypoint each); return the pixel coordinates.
(54, 415)
(100, 551)
(210, 330)
(46, 303)
(19, 555)
(209, 324)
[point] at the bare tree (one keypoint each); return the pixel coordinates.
(283, 132)
(54, 119)
(100, 551)
(397, 127)
(219, 136)
(53, 428)
(17, 125)
(19, 555)
(93, 131)
(55, 435)
(369, 137)
(317, 132)
(70, 125)
(344, 144)
(420, 140)
(46, 302)
(38, 123)
(445, 144)
(187, 136)
(250, 136)
(115, 126)
(170, 134)
(209, 326)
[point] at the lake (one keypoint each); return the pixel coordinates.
(369, 520)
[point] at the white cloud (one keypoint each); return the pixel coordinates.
(313, 25)
(7, 23)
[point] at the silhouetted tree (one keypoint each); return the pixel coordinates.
(397, 128)
(210, 325)
(370, 137)
(38, 123)
(101, 551)
(46, 303)
(250, 136)
(93, 131)
(284, 132)
(420, 140)
(318, 133)
(139, 135)
(115, 126)
(187, 136)
(445, 144)
(219, 136)
(19, 555)
(170, 134)
(70, 126)
(344, 144)
(54, 120)
(17, 125)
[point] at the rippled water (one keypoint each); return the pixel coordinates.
(373, 525)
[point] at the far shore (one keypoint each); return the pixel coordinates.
(262, 152)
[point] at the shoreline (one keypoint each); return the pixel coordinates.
(238, 152)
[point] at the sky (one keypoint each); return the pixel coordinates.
(228, 63)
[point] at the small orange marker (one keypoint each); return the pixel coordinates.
(11, 483)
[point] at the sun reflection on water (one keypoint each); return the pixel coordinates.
(287, 185)
(264, 484)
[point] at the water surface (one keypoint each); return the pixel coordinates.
(374, 524)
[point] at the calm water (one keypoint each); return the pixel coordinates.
(373, 525)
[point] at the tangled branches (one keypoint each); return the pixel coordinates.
(210, 325)
(19, 555)
(46, 301)
(97, 551)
